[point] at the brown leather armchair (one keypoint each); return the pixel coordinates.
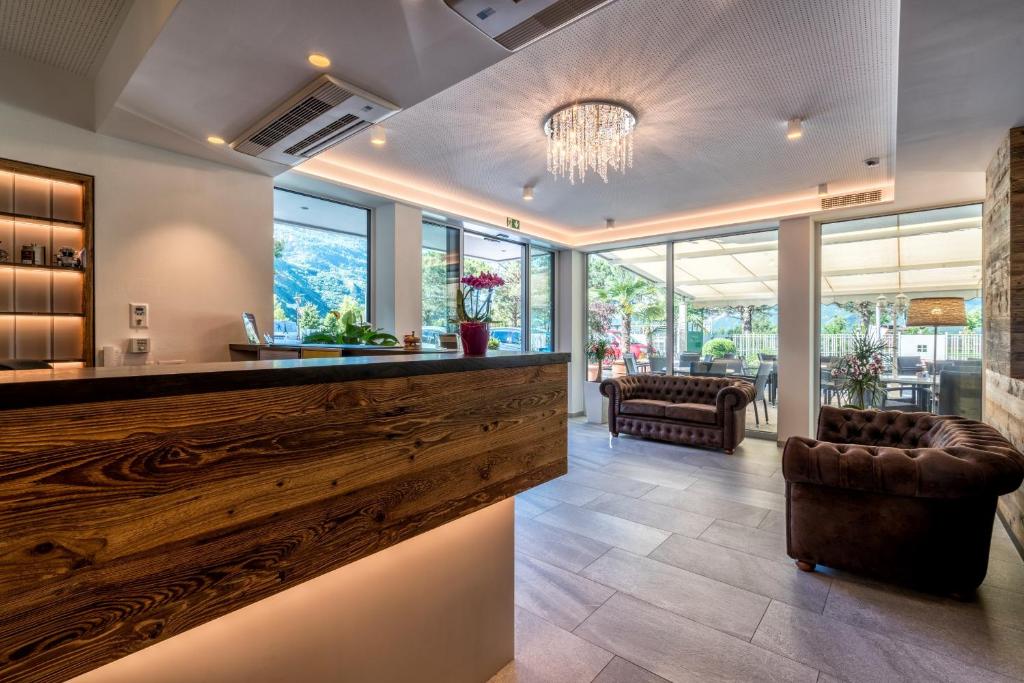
(697, 411)
(907, 497)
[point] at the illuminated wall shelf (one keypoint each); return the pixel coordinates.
(46, 310)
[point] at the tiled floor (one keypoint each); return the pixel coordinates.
(650, 562)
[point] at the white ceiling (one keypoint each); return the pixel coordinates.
(712, 83)
(218, 67)
(72, 35)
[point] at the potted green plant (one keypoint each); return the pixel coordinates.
(857, 374)
(594, 404)
(352, 330)
(719, 347)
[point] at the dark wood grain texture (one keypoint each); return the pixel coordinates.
(126, 522)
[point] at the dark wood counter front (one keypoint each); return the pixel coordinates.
(138, 503)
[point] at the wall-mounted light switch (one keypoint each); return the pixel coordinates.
(138, 345)
(139, 316)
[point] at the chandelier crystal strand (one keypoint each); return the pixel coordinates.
(590, 136)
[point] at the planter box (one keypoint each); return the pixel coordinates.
(595, 405)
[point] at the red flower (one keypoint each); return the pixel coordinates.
(484, 280)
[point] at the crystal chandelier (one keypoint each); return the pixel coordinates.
(589, 136)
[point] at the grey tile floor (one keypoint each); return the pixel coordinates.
(651, 562)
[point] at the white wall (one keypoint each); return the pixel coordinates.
(569, 326)
(798, 326)
(397, 269)
(189, 237)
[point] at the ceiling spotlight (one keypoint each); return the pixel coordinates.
(215, 140)
(609, 223)
(319, 61)
(378, 136)
(528, 193)
(795, 129)
(872, 162)
(822, 189)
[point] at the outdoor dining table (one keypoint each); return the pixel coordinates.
(921, 386)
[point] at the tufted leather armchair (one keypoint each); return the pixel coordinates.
(908, 497)
(698, 411)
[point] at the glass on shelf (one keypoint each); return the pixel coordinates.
(31, 196)
(6, 336)
(67, 291)
(32, 337)
(30, 233)
(31, 290)
(67, 201)
(68, 334)
(6, 192)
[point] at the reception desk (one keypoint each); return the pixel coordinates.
(294, 351)
(139, 503)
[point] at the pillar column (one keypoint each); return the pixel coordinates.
(798, 327)
(397, 269)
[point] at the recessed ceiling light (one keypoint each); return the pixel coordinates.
(304, 208)
(378, 136)
(872, 162)
(822, 189)
(795, 129)
(319, 61)
(215, 140)
(609, 223)
(528, 193)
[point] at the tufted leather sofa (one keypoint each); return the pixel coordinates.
(907, 497)
(698, 411)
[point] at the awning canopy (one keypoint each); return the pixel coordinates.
(920, 254)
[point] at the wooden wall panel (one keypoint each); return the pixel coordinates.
(126, 522)
(1003, 283)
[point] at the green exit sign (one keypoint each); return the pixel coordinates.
(512, 223)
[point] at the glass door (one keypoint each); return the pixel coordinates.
(490, 254)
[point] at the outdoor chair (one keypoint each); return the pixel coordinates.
(630, 361)
(764, 371)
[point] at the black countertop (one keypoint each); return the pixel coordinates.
(34, 388)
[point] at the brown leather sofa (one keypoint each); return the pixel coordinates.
(697, 411)
(906, 497)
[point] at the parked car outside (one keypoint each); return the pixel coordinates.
(509, 338)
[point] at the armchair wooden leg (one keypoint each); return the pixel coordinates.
(805, 566)
(728, 451)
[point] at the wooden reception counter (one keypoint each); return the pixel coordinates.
(138, 503)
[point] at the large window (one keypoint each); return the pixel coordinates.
(493, 255)
(875, 273)
(727, 315)
(321, 263)
(723, 305)
(626, 307)
(542, 296)
(440, 280)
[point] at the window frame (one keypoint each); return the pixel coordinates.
(370, 238)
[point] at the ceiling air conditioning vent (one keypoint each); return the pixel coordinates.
(843, 200)
(514, 24)
(313, 120)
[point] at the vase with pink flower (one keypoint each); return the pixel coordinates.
(473, 310)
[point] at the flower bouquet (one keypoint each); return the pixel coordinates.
(473, 311)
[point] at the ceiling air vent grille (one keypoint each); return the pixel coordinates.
(843, 200)
(545, 21)
(317, 117)
(345, 122)
(323, 99)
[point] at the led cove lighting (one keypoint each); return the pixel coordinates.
(319, 61)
